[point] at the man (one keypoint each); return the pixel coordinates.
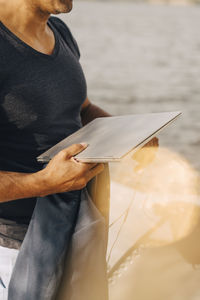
(42, 100)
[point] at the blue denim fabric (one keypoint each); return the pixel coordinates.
(85, 272)
(39, 266)
(63, 255)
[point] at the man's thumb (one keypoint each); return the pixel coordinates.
(75, 149)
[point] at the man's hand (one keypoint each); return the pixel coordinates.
(64, 173)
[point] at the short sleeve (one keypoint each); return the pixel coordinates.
(66, 35)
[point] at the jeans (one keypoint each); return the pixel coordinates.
(45, 245)
(62, 237)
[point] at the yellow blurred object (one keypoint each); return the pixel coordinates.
(171, 189)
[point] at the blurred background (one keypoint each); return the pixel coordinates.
(140, 57)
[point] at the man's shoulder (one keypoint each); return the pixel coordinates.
(59, 22)
(61, 26)
(66, 33)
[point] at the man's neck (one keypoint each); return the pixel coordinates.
(28, 20)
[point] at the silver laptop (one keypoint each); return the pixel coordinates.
(111, 138)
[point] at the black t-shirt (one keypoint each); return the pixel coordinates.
(40, 101)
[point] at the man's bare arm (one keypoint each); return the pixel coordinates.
(19, 185)
(62, 174)
(89, 112)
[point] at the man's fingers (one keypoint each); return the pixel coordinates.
(74, 149)
(94, 171)
(85, 166)
(155, 141)
(152, 143)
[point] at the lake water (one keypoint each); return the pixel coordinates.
(142, 58)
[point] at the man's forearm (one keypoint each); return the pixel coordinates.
(92, 112)
(62, 174)
(19, 185)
